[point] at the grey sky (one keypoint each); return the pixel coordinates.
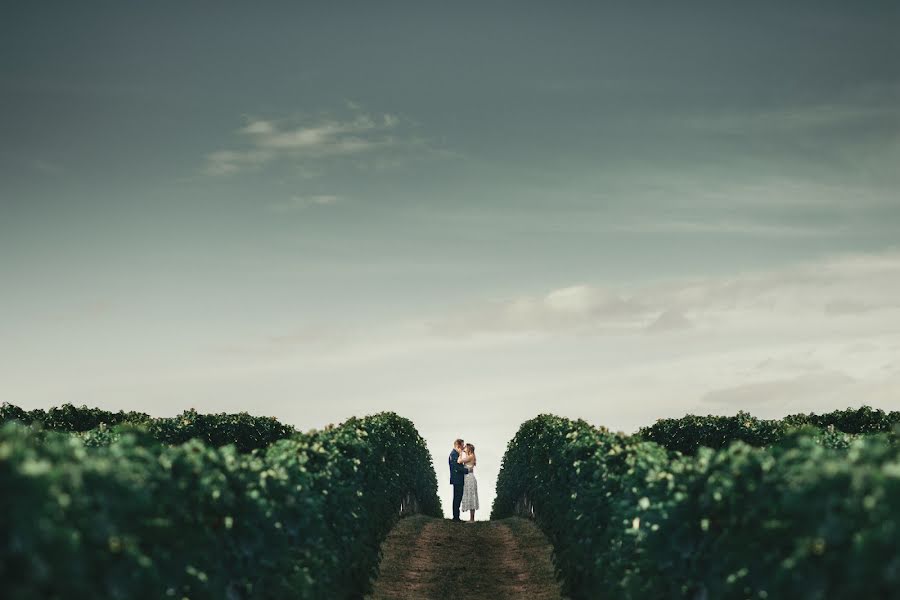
(468, 213)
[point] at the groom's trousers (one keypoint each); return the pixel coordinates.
(457, 498)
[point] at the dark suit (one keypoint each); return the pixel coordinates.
(457, 480)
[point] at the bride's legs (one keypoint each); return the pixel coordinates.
(472, 515)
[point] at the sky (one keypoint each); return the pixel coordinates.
(468, 213)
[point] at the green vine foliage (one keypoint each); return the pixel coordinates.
(245, 431)
(815, 515)
(690, 432)
(116, 513)
(70, 418)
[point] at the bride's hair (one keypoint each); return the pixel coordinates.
(470, 449)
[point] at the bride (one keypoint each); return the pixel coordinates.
(470, 485)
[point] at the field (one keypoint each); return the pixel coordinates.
(811, 511)
(122, 505)
(201, 506)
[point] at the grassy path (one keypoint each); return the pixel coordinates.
(433, 559)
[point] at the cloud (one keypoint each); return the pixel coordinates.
(309, 340)
(847, 114)
(846, 307)
(754, 200)
(781, 393)
(226, 162)
(295, 203)
(724, 228)
(265, 141)
(871, 280)
(809, 294)
(561, 309)
(818, 391)
(669, 320)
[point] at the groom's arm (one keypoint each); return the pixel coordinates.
(457, 467)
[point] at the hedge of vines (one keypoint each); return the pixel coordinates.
(69, 417)
(115, 513)
(690, 432)
(245, 431)
(630, 519)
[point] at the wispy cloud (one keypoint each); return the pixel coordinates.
(749, 228)
(669, 320)
(841, 287)
(569, 308)
(309, 140)
(836, 298)
(781, 392)
(808, 118)
(303, 202)
(816, 390)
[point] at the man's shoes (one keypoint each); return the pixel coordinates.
(457, 520)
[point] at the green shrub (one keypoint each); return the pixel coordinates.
(129, 517)
(690, 432)
(70, 418)
(861, 420)
(245, 431)
(630, 519)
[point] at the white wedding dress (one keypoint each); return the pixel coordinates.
(470, 487)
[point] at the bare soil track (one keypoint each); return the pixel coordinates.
(433, 559)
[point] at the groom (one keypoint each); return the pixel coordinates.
(457, 477)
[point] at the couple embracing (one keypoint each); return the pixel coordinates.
(462, 478)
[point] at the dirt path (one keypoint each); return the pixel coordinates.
(433, 559)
